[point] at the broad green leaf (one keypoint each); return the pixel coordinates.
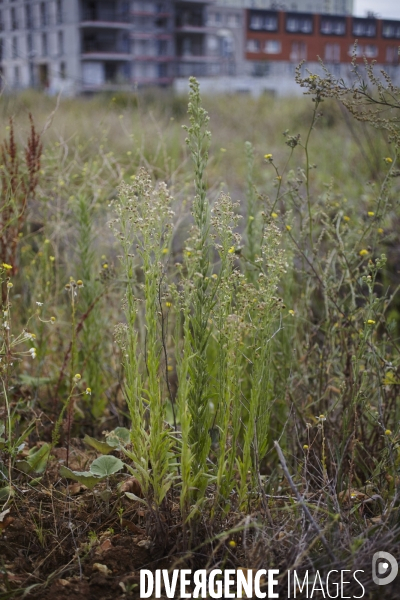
(84, 477)
(38, 458)
(134, 497)
(106, 465)
(122, 434)
(102, 447)
(23, 465)
(5, 492)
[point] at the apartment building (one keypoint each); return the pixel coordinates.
(84, 46)
(338, 7)
(91, 45)
(276, 41)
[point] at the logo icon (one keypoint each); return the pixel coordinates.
(384, 568)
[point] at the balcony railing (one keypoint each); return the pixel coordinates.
(105, 16)
(89, 47)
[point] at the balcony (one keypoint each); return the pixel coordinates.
(191, 22)
(153, 34)
(152, 58)
(117, 24)
(103, 49)
(195, 58)
(99, 16)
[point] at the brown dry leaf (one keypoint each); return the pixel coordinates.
(5, 519)
(106, 545)
(132, 485)
(75, 488)
(132, 527)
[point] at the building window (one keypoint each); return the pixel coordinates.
(256, 22)
(14, 47)
(297, 23)
(29, 43)
(370, 51)
(333, 26)
(253, 46)
(63, 71)
(355, 50)
(364, 27)
(392, 55)
(263, 21)
(43, 14)
(59, 14)
(298, 51)
(332, 52)
(1, 21)
(391, 30)
(14, 21)
(60, 42)
(273, 47)
(45, 48)
(28, 16)
(231, 20)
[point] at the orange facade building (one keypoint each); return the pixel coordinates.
(291, 36)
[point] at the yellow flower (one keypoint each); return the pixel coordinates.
(288, 227)
(291, 312)
(6, 266)
(371, 322)
(388, 432)
(165, 251)
(79, 283)
(380, 230)
(53, 319)
(370, 213)
(214, 276)
(268, 156)
(88, 391)
(169, 368)
(274, 215)
(168, 304)
(388, 160)
(346, 218)
(305, 447)
(232, 544)
(78, 377)
(363, 252)
(105, 266)
(52, 258)
(231, 250)
(10, 285)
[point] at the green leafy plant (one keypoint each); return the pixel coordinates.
(100, 469)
